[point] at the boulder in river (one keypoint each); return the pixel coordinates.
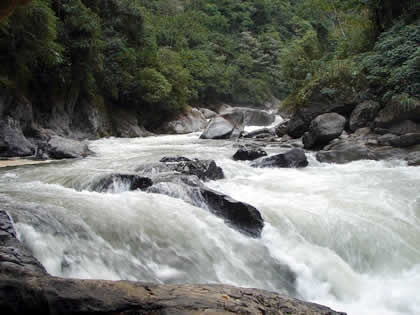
(240, 215)
(249, 153)
(345, 152)
(64, 148)
(218, 128)
(252, 116)
(121, 182)
(270, 132)
(323, 129)
(203, 169)
(413, 159)
(171, 159)
(294, 158)
(191, 121)
(207, 113)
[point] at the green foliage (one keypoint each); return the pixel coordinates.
(157, 56)
(394, 65)
(27, 43)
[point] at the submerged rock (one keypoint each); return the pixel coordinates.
(294, 158)
(168, 159)
(121, 182)
(239, 215)
(248, 153)
(203, 169)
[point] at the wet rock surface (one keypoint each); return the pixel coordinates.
(203, 169)
(294, 158)
(323, 129)
(249, 153)
(120, 182)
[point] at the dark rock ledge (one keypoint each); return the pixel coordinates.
(25, 288)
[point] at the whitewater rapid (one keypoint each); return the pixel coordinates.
(350, 233)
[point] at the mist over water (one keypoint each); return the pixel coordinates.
(350, 233)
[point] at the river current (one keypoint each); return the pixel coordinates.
(350, 233)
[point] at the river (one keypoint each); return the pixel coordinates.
(350, 233)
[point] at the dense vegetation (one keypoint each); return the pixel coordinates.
(156, 56)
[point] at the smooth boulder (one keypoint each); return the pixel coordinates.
(295, 158)
(207, 113)
(64, 148)
(191, 121)
(218, 128)
(252, 116)
(323, 129)
(13, 143)
(363, 115)
(248, 153)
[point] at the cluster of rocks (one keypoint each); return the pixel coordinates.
(32, 131)
(346, 132)
(183, 178)
(26, 288)
(231, 121)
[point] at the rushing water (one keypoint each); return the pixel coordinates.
(350, 233)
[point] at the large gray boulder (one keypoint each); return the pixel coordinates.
(323, 129)
(192, 121)
(398, 110)
(294, 158)
(296, 127)
(63, 148)
(363, 115)
(303, 117)
(207, 113)
(13, 143)
(224, 127)
(252, 116)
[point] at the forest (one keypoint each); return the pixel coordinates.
(159, 56)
